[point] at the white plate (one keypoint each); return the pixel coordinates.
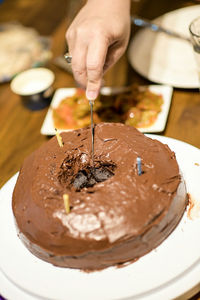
(167, 272)
(162, 58)
(12, 292)
(159, 125)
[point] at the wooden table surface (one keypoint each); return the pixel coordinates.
(20, 127)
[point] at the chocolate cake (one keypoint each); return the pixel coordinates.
(115, 215)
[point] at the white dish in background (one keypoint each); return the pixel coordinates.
(32, 81)
(165, 59)
(167, 272)
(48, 127)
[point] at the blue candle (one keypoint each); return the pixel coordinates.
(139, 165)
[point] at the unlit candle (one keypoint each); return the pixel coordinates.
(139, 165)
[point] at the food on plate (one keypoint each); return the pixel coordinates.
(139, 108)
(21, 48)
(74, 214)
(142, 107)
(74, 112)
(139, 118)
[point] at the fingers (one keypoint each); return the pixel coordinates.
(96, 56)
(114, 53)
(78, 50)
(94, 29)
(88, 62)
(79, 65)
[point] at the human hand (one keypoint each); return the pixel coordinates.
(97, 38)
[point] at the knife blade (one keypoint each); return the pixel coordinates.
(92, 128)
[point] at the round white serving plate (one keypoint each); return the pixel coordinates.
(164, 59)
(169, 271)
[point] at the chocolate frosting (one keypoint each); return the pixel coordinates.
(110, 222)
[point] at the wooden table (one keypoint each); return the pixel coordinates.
(20, 127)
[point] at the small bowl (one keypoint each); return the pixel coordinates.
(34, 86)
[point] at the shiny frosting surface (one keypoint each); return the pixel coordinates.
(113, 221)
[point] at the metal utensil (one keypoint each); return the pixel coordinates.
(114, 91)
(138, 21)
(92, 128)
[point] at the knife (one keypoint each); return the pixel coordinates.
(68, 58)
(92, 128)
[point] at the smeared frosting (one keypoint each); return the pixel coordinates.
(111, 221)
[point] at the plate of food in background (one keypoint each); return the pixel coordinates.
(144, 107)
(21, 48)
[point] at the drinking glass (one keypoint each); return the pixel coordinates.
(194, 29)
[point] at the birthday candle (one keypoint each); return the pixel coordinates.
(66, 203)
(59, 138)
(139, 165)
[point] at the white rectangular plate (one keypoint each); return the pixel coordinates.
(158, 126)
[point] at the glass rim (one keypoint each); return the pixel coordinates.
(190, 29)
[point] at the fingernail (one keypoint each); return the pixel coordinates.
(91, 95)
